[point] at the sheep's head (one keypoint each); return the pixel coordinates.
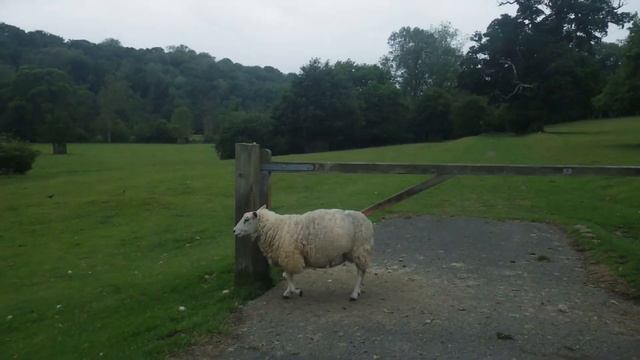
(248, 224)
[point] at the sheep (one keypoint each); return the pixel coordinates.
(317, 239)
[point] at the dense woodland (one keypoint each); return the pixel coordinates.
(545, 64)
(75, 90)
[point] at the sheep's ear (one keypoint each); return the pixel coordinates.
(263, 207)
(255, 214)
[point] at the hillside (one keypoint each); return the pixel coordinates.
(118, 93)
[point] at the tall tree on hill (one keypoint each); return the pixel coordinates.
(385, 114)
(609, 56)
(338, 106)
(320, 112)
(422, 59)
(45, 106)
(621, 95)
(542, 60)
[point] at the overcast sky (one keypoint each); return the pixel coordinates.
(280, 33)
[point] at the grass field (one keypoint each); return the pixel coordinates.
(100, 249)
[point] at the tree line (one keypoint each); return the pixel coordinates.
(545, 64)
(52, 90)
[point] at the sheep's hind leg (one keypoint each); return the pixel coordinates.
(357, 289)
(291, 288)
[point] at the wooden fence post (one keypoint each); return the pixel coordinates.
(251, 267)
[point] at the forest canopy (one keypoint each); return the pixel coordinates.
(546, 63)
(107, 92)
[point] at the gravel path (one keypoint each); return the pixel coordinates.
(451, 288)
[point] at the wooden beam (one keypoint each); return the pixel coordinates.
(265, 179)
(407, 193)
(454, 169)
(251, 267)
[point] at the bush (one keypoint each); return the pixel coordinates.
(470, 115)
(522, 117)
(16, 157)
(432, 117)
(154, 131)
(243, 127)
(494, 121)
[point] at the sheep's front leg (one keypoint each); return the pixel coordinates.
(356, 290)
(291, 288)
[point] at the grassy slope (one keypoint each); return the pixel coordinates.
(145, 229)
(125, 240)
(610, 207)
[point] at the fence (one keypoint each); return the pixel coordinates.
(253, 189)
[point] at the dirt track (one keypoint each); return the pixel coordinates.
(443, 288)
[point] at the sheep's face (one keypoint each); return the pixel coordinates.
(248, 225)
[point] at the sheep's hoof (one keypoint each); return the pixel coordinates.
(300, 293)
(286, 296)
(352, 298)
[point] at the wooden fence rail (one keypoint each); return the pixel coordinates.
(452, 169)
(253, 189)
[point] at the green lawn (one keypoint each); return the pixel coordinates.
(100, 248)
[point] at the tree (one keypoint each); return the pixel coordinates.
(432, 116)
(117, 105)
(320, 112)
(621, 95)
(609, 57)
(385, 115)
(338, 106)
(542, 61)
(422, 59)
(244, 127)
(470, 115)
(578, 23)
(154, 131)
(493, 64)
(181, 124)
(7, 73)
(44, 106)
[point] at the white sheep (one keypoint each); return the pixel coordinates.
(316, 239)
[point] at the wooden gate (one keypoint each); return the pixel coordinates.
(253, 189)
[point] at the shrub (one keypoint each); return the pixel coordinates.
(154, 131)
(15, 156)
(522, 117)
(470, 115)
(432, 117)
(243, 127)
